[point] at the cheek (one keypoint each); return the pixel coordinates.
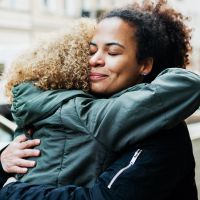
(116, 65)
(128, 74)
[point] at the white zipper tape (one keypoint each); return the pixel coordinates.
(134, 158)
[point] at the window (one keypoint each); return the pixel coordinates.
(46, 3)
(49, 6)
(22, 5)
(85, 13)
(73, 8)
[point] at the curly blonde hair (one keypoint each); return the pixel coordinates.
(58, 62)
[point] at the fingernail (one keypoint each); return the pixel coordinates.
(33, 163)
(37, 152)
(37, 141)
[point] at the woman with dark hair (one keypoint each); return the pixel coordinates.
(160, 34)
(131, 46)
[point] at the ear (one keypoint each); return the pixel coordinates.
(146, 66)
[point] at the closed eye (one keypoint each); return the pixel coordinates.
(93, 49)
(114, 53)
(92, 53)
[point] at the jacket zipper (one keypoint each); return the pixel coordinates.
(134, 158)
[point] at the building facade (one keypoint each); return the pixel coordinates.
(22, 21)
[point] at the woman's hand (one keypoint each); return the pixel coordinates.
(12, 158)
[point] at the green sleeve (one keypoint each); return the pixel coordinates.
(142, 110)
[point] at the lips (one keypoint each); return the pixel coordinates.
(97, 76)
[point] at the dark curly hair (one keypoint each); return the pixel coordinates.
(161, 33)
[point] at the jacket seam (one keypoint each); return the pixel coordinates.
(62, 158)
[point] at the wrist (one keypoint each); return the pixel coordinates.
(2, 171)
(3, 176)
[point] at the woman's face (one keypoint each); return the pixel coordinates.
(113, 62)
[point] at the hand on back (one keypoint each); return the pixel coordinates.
(13, 157)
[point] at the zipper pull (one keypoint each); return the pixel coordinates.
(135, 156)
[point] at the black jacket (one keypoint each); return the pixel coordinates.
(164, 170)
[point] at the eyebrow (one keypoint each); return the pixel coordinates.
(109, 44)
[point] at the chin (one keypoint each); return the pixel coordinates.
(98, 90)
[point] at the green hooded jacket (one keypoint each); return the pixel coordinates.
(82, 135)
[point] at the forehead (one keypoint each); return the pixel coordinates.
(114, 29)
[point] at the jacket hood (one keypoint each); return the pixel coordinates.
(31, 104)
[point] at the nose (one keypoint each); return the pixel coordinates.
(97, 60)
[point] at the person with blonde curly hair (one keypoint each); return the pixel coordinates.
(60, 61)
(135, 123)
